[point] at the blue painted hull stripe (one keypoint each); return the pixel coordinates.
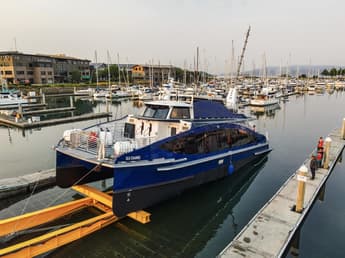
(147, 162)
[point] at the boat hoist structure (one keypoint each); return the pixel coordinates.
(49, 241)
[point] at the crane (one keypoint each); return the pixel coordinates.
(242, 54)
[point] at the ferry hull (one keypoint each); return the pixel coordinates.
(73, 171)
(138, 198)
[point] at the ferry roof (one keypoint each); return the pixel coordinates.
(205, 109)
(168, 103)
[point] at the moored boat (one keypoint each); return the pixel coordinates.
(8, 97)
(264, 98)
(173, 146)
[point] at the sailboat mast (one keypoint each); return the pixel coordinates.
(232, 62)
(185, 73)
(127, 75)
(197, 65)
(96, 69)
(118, 67)
(108, 58)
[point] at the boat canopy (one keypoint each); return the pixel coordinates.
(206, 109)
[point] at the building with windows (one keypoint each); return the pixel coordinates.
(68, 69)
(21, 68)
(155, 73)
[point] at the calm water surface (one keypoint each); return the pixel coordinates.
(202, 221)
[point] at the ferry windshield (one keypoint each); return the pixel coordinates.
(159, 112)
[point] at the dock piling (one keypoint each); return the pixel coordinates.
(71, 101)
(43, 98)
(302, 179)
(328, 142)
(20, 110)
(343, 130)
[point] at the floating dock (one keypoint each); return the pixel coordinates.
(24, 105)
(27, 125)
(270, 232)
(25, 184)
(47, 111)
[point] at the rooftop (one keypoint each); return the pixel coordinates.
(56, 56)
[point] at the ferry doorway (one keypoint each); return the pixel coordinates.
(173, 131)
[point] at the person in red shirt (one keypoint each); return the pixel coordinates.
(320, 143)
(319, 157)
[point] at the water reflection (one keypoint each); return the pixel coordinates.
(138, 103)
(266, 111)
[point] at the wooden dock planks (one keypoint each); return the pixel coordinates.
(269, 232)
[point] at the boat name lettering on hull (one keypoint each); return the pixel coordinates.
(133, 158)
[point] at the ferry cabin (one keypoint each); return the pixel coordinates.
(159, 120)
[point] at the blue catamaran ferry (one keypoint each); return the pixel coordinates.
(173, 146)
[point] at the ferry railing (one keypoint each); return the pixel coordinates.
(89, 140)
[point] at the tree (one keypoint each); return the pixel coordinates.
(333, 72)
(325, 72)
(179, 74)
(114, 72)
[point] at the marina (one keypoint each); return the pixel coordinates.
(126, 131)
(228, 203)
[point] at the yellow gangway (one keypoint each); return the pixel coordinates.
(49, 241)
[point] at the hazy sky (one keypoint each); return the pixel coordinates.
(286, 32)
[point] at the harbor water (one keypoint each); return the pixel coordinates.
(201, 221)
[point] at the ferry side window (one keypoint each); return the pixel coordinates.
(180, 113)
(161, 112)
(242, 137)
(185, 145)
(149, 112)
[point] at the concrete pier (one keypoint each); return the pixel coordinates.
(25, 184)
(270, 231)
